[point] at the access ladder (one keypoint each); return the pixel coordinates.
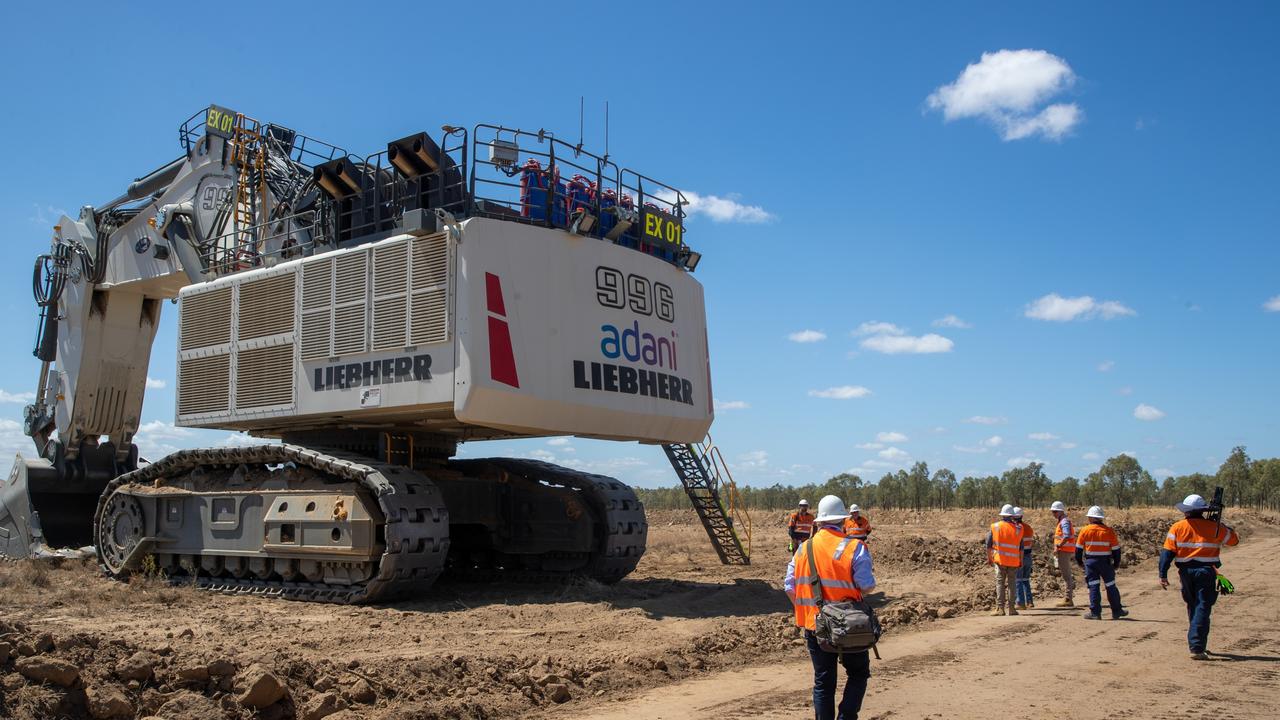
(709, 484)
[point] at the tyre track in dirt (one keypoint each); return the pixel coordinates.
(1046, 661)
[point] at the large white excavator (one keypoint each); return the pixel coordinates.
(363, 316)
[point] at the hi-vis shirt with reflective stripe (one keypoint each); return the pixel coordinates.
(1006, 544)
(834, 555)
(1027, 535)
(1098, 540)
(800, 522)
(1064, 536)
(1198, 541)
(857, 528)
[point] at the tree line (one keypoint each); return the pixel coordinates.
(1121, 482)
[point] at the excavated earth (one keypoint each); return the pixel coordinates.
(76, 645)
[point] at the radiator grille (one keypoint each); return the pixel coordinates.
(266, 307)
(204, 385)
(264, 377)
(206, 319)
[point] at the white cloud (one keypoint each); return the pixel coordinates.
(19, 398)
(732, 404)
(1023, 461)
(966, 449)
(1272, 305)
(841, 392)
(1163, 472)
(1010, 89)
(939, 429)
(891, 437)
(159, 438)
(993, 441)
(807, 336)
(239, 439)
(544, 455)
(1066, 446)
(1126, 390)
(987, 420)
(558, 442)
(951, 321)
(1147, 412)
(879, 328)
(1106, 365)
(1043, 436)
(753, 460)
(155, 383)
(724, 209)
(1091, 456)
(13, 440)
(898, 344)
(893, 453)
(46, 215)
(1055, 308)
(869, 446)
(1130, 453)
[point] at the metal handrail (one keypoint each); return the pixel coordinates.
(722, 477)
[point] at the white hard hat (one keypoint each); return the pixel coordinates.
(830, 509)
(1192, 502)
(1006, 511)
(854, 508)
(1057, 505)
(804, 502)
(1096, 512)
(1017, 512)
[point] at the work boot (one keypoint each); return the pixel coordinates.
(1013, 612)
(1031, 604)
(1199, 656)
(1022, 606)
(1066, 603)
(1092, 616)
(997, 612)
(1119, 614)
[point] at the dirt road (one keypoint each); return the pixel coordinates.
(1042, 664)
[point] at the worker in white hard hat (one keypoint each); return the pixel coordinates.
(857, 526)
(841, 570)
(1064, 552)
(1022, 582)
(799, 525)
(1098, 552)
(1004, 553)
(1195, 544)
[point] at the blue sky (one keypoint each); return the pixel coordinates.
(1090, 190)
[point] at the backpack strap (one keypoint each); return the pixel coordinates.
(816, 582)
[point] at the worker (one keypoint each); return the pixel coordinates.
(1098, 552)
(1064, 551)
(844, 566)
(856, 526)
(1004, 553)
(1195, 544)
(799, 525)
(1023, 580)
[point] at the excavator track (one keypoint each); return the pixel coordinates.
(623, 527)
(416, 520)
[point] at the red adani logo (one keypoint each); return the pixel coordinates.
(502, 359)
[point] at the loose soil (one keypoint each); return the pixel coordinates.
(681, 635)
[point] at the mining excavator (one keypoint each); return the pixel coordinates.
(363, 316)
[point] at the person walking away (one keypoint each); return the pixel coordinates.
(844, 566)
(799, 525)
(1064, 552)
(1098, 552)
(1195, 545)
(1004, 553)
(1023, 580)
(856, 526)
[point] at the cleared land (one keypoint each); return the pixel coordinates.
(681, 636)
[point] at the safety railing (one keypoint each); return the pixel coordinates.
(722, 479)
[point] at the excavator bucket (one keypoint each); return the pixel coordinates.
(43, 506)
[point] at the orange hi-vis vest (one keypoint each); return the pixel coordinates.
(1098, 540)
(834, 555)
(1196, 540)
(1064, 536)
(1006, 544)
(800, 522)
(1027, 534)
(857, 528)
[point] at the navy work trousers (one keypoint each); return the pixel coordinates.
(1199, 592)
(857, 669)
(1098, 574)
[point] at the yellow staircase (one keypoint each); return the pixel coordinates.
(709, 484)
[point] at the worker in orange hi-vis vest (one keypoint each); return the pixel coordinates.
(1004, 553)
(1195, 544)
(1023, 580)
(1064, 552)
(1098, 552)
(799, 525)
(856, 526)
(843, 565)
